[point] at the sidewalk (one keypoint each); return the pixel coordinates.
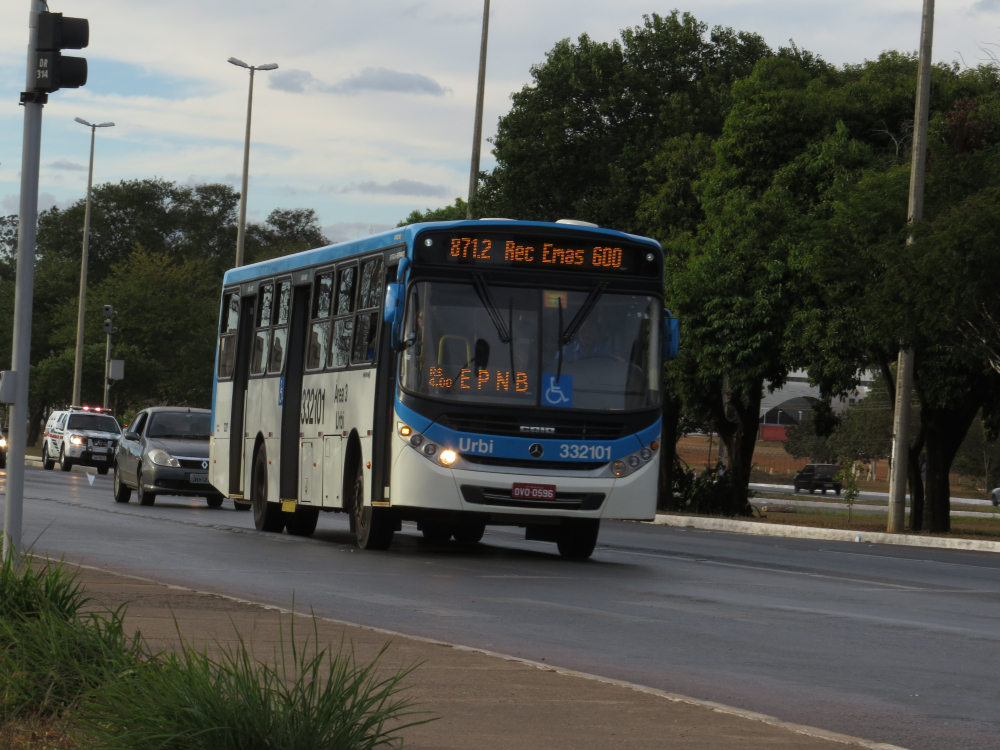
(484, 701)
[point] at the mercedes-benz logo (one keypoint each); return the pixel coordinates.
(536, 450)
(204, 464)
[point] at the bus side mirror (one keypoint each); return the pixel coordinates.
(393, 300)
(671, 335)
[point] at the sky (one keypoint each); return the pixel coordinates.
(370, 113)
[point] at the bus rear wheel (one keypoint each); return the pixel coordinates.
(266, 516)
(373, 527)
(303, 521)
(578, 537)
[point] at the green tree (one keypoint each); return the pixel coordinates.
(576, 140)
(805, 443)
(456, 212)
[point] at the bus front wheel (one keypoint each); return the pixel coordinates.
(373, 527)
(578, 537)
(266, 516)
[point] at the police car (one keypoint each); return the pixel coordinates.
(80, 436)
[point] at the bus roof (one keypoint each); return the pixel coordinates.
(391, 237)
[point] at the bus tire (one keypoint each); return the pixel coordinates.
(373, 527)
(470, 532)
(214, 501)
(303, 521)
(266, 516)
(437, 533)
(578, 537)
(123, 493)
(47, 462)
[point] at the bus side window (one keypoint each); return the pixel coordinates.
(339, 354)
(227, 338)
(279, 340)
(366, 322)
(258, 359)
(319, 331)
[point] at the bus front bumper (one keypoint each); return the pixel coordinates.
(420, 483)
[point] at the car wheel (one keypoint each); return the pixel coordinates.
(64, 463)
(373, 527)
(437, 533)
(214, 501)
(47, 462)
(303, 521)
(145, 496)
(578, 537)
(266, 516)
(470, 532)
(123, 493)
(102, 470)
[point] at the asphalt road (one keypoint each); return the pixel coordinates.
(899, 645)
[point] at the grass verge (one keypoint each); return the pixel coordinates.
(74, 679)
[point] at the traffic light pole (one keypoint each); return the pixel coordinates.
(24, 291)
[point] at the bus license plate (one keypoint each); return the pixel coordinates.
(199, 479)
(533, 491)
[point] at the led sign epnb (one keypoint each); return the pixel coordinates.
(590, 254)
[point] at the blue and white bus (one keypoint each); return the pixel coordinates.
(455, 374)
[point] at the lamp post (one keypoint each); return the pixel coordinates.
(477, 130)
(241, 229)
(78, 368)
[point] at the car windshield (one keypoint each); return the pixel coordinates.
(478, 343)
(179, 424)
(93, 423)
(827, 469)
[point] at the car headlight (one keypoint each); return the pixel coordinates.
(162, 458)
(3, 442)
(76, 440)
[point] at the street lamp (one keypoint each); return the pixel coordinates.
(241, 230)
(78, 369)
(477, 130)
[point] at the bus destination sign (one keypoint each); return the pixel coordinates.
(590, 254)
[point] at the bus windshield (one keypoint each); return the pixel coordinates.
(479, 343)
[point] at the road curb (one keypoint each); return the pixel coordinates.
(722, 708)
(808, 532)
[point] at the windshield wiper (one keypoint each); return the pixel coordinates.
(581, 315)
(483, 292)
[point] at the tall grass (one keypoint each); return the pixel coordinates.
(310, 698)
(49, 665)
(29, 588)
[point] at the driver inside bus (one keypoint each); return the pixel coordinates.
(587, 344)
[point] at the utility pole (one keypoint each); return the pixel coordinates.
(21, 351)
(477, 131)
(82, 308)
(905, 364)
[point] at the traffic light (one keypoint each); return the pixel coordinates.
(109, 320)
(53, 70)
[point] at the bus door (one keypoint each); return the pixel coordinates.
(241, 372)
(291, 408)
(385, 396)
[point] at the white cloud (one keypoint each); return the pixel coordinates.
(369, 79)
(68, 165)
(350, 230)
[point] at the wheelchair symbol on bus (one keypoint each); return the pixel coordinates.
(557, 391)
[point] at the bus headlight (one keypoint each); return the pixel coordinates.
(646, 454)
(76, 440)
(416, 440)
(430, 449)
(3, 442)
(618, 468)
(448, 457)
(405, 430)
(162, 458)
